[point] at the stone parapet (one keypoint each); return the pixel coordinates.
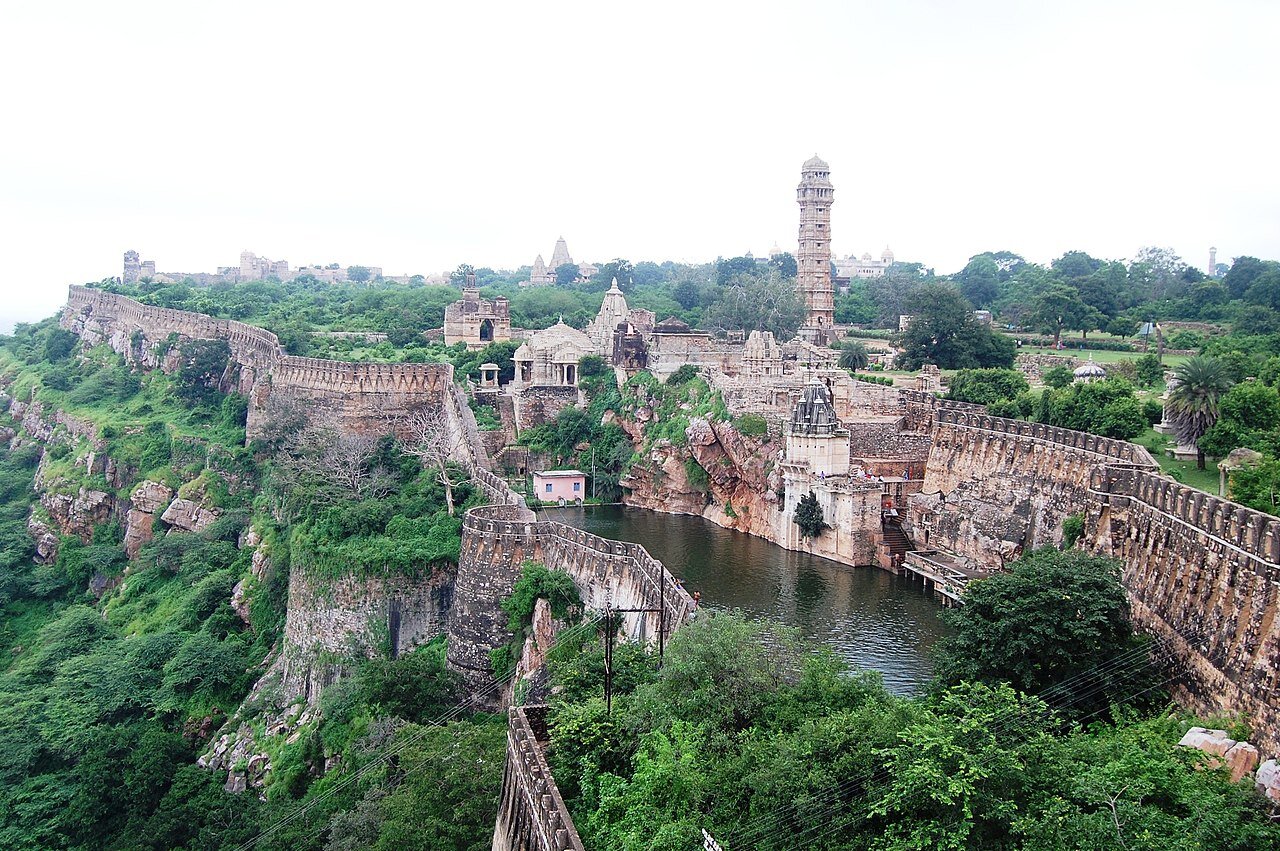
(496, 542)
(532, 815)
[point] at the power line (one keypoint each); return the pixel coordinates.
(396, 748)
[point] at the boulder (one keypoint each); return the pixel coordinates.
(1239, 758)
(46, 540)
(1267, 780)
(189, 515)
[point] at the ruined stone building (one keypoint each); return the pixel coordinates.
(477, 321)
(815, 196)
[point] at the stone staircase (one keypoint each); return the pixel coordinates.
(894, 545)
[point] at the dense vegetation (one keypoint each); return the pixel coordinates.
(116, 672)
(769, 744)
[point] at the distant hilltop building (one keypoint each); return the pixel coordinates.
(251, 268)
(543, 273)
(865, 266)
(815, 196)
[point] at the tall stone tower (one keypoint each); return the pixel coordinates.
(813, 260)
(132, 268)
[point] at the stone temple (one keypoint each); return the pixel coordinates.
(815, 196)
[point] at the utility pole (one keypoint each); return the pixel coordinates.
(609, 635)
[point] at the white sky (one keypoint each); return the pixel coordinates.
(417, 138)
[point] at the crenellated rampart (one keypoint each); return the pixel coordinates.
(362, 396)
(496, 542)
(1202, 573)
(994, 487)
(532, 815)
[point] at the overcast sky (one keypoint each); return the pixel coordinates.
(416, 139)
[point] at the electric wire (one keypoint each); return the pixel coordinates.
(769, 829)
(395, 749)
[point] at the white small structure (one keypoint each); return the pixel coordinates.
(565, 487)
(1089, 372)
(550, 357)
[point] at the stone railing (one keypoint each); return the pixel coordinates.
(532, 815)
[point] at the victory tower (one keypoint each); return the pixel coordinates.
(813, 259)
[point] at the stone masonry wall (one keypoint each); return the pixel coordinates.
(496, 542)
(363, 396)
(331, 621)
(1203, 574)
(995, 487)
(532, 815)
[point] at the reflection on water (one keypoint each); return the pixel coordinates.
(871, 618)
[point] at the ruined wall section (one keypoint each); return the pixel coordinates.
(363, 396)
(995, 487)
(496, 542)
(331, 621)
(1203, 574)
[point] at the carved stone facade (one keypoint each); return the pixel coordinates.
(549, 358)
(815, 196)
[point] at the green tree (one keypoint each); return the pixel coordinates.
(1121, 327)
(750, 302)
(785, 263)
(1057, 377)
(1053, 626)
(1249, 415)
(1194, 403)
(1258, 487)
(1243, 272)
(566, 274)
(1059, 307)
(458, 277)
(808, 516)
(853, 355)
(984, 386)
(943, 331)
(979, 280)
(359, 274)
(1107, 408)
(201, 369)
(1149, 370)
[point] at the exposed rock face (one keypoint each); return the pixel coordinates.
(1240, 758)
(77, 515)
(189, 515)
(147, 499)
(1267, 780)
(46, 540)
(739, 473)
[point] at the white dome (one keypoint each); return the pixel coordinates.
(1090, 370)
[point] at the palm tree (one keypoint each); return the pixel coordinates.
(1201, 383)
(853, 355)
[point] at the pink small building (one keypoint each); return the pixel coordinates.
(569, 486)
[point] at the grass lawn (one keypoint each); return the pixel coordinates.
(1098, 355)
(1183, 471)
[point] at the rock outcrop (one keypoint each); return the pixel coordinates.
(147, 499)
(1239, 758)
(189, 515)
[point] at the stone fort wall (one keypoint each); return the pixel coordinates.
(496, 542)
(363, 396)
(1202, 573)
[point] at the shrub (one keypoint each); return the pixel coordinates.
(751, 425)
